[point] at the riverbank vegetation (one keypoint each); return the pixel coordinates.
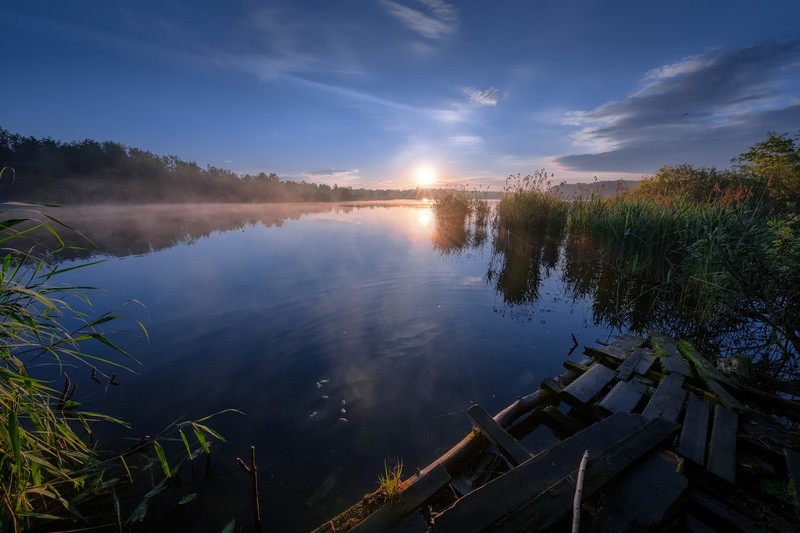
(54, 473)
(92, 172)
(709, 255)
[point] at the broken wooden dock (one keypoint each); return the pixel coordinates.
(672, 441)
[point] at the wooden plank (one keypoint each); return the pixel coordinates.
(624, 396)
(793, 468)
(553, 504)
(629, 365)
(672, 361)
(645, 363)
(508, 445)
(724, 396)
(586, 387)
(695, 430)
(487, 504)
(730, 514)
(722, 447)
(667, 401)
(409, 500)
(640, 498)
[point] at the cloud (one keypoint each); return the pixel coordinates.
(703, 109)
(334, 172)
(487, 97)
(437, 20)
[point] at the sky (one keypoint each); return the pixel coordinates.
(393, 93)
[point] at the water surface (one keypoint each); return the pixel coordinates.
(349, 335)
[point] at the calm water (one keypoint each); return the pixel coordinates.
(348, 335)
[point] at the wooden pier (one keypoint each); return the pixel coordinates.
(673, 443)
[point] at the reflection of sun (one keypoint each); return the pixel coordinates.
(424, 216)
(425, 175)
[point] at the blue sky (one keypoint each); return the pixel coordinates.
(365, 92)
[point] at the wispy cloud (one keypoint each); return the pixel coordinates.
(692, 110)
(334, 172)
(435, 20)
(486, 97)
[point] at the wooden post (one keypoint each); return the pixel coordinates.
(252, 471)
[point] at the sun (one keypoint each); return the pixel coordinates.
(425, 175)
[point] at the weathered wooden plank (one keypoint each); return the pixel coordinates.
(667, 401)
(553, 504)
(508, 445)
(672, 361)
(563, 426)
(624, 396)
(724, 511)
(724, 396)
(586, 387)
(695, 430)
(645, 363)
(793, 468)
(415, 495)
(629, 365)
(487, 504)
(722, 447)
(606, 352)
(641, 497)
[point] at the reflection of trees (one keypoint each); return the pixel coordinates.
(135, 230)
(520, 262)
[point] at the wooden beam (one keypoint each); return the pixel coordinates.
(722, 447)
(624, 396)
(585, 388)
(484, 506)
(641, 498)
(508, 445)
(667, 401)
(695, 430)
(552, 504)
(672, 361)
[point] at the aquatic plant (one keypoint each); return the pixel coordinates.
(390, 482)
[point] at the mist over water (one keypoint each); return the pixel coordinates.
(347, 334)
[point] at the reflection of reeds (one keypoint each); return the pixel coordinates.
(709, 272)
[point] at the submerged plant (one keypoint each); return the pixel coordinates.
(390, 483)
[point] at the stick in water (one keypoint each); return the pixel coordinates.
(252, 471)
(576, 503)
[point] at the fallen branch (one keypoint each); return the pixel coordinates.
(576, 503)
(252, 471)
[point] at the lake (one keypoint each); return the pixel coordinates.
(349, 335)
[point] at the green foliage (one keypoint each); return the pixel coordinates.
(49, 468)
(723, 247)
(775, 165)
(390, 482)
(46, 170)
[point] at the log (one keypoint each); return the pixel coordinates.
(393, 512)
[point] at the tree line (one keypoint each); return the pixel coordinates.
(81, 172)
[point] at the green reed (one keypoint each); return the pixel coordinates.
(52, 475)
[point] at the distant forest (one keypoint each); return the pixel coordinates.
(51, 171)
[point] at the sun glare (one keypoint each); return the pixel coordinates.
(425, 175)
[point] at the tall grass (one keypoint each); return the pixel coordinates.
(721, 264)
(51, 473)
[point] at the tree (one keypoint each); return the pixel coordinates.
(775, 165)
